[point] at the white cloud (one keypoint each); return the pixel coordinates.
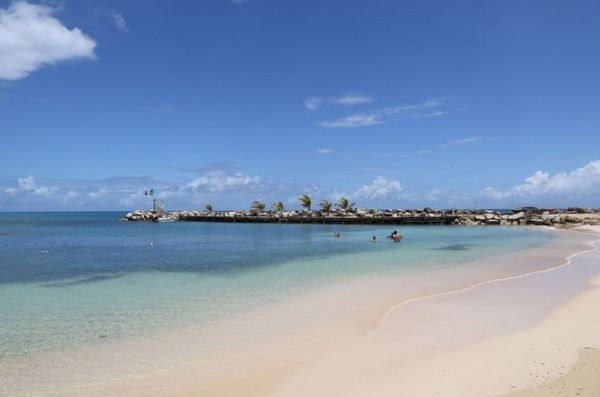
(324, 151)
(420, 110)
(228, 188)
(576, 185)
(103, 191)
(352, 100)
(237, 2)
(71, 194)
(223, 183)
(218, 178)
(27, 185)
(461, 141)
(120, 22)
(30, 37)
(356, 120)
(220, 184)
(313, 103)
(428, 109)
(380, 188)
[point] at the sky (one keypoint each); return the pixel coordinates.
(393, 104)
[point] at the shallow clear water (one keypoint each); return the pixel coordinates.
(73, 279)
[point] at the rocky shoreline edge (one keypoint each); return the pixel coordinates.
(562, 218)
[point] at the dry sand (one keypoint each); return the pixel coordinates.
(478, 342)
(583, 379)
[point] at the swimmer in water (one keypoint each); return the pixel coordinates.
(395, 236)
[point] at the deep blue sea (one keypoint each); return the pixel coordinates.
(71, 279)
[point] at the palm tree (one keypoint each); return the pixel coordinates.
(305, 201)
(344, 204)
(257, 206)
(209, 208)
(278, 206)
(326, 205)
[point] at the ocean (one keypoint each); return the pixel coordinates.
(71, 279)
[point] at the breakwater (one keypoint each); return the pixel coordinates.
(426, 216)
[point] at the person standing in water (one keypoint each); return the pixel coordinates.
(395, 236)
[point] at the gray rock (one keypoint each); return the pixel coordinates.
(517, 216)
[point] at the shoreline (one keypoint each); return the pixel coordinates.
(568, 261)
(307, 377)
(368, 367)
(351, 311)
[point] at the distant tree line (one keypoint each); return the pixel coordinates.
(305, 202)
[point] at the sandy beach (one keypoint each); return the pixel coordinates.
(528, 335)
(445, 346)
(492, 328)
(524, 334)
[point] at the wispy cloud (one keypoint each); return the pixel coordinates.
(353, 121)
(324, 152)
(428, 109)
(31, 37)
(456, 142)
(461, 141)
(313, 103)
(352, 100)
(119, 21)
(356, 120)
(238, 2)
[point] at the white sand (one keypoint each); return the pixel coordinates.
(483, 338)
(400, 357)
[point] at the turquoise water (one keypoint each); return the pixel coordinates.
(74, 279)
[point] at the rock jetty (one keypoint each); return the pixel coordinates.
(568, 217)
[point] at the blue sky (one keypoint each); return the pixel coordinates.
(392, 103)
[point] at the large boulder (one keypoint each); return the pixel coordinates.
(517, 216)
